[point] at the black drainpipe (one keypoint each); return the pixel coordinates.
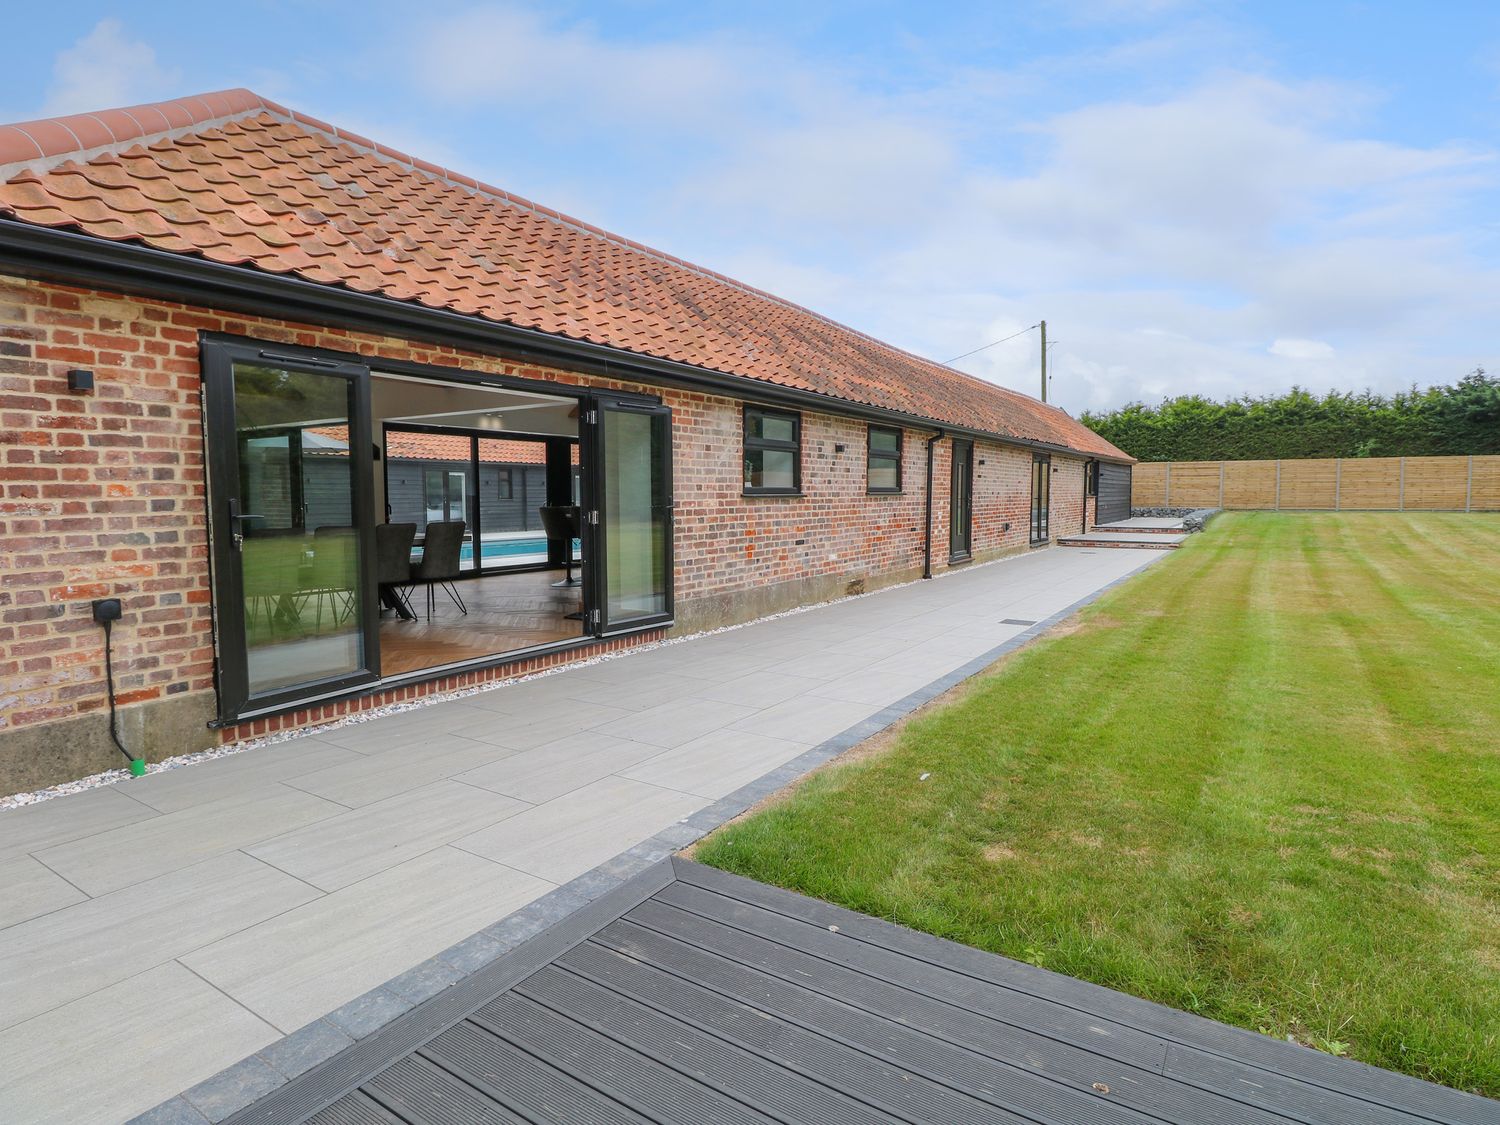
(927, 543)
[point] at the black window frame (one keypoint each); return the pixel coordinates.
(872, 455)
(1091, 480)
(749, 443)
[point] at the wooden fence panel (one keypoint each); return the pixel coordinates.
(1436, 483)
(1370, 483)
(1484, 488)
(1309, 484)
(1249, 484)
(1148, 485)
(1452, 484)
(1195, 484)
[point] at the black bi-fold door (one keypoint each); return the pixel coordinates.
(627, 450)
(1041, 497)
(290, 502)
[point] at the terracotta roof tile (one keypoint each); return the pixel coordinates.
(244, 181)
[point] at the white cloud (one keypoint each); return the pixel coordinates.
(504, 53)
(1166, 239)
(1301, 349)
(105, 69)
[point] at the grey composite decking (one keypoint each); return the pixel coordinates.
(691, 995)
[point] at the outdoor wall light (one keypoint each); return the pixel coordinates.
(80, 382)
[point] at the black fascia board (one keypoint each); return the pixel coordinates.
(64, 256)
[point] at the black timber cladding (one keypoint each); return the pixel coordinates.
(691, 995)
(1114, 493)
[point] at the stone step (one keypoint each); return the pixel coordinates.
(1120, 539)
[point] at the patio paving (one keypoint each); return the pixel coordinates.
(280, 903)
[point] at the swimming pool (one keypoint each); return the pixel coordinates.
(509, 550)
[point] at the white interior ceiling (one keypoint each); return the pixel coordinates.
(401, 398)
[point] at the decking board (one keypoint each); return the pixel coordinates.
(694, 996)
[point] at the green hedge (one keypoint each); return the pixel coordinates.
(1461, 419)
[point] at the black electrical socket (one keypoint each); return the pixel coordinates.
(107, 610)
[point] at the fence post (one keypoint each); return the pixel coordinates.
(1166, 501)
(1221, 484)
(1338, 484)
(1469, 487)
(1278, 484)
(1401, 488)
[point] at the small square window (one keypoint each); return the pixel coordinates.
(773, 452)
(883, 460)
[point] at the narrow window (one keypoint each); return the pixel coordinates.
(773, 452)
(1091, 479)
(883, 460)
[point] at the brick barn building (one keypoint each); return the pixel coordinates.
(256, 373)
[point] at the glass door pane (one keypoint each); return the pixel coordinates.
(291, 522)
(512, 492)
(634, 447)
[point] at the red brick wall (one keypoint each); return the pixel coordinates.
(102, 495)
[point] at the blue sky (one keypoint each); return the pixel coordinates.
(1219, 198)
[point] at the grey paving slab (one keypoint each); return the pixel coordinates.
(722, 665)
(146, 1033)
(557, 719)
(264, 766)
(304, 962)
(815, 665)
(756, 689)
(368, 778)
(49, 961)
(61, 819)
(874, 688)
(134, 853)
(644, 691)
(548, 772)
(354, 845)
(716, 764)
(672, 724)
(394, 732)
(807, 718)
(30, 889)
(562, 839)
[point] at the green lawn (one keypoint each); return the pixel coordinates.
(1260, 782)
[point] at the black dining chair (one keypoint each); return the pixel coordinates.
(563, 521)
(393, 565)
(333, 573)
(442, 549)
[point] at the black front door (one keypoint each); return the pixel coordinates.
(628, 514)
(961, 501)
(291, 505)
(1041, 496)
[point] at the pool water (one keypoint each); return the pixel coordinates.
(498, 552)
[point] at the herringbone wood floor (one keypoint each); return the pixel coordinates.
(506, 612)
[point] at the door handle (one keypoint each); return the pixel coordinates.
(236, 535)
